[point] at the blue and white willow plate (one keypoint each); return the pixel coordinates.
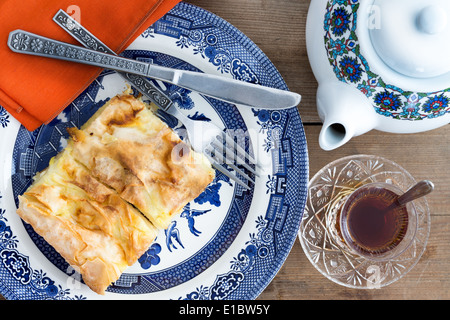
(228, 243)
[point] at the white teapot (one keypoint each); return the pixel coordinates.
(380, 64)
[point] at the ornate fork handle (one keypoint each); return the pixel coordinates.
(86, 38)
(76, 30)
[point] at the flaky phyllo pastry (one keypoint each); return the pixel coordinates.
(121, 178)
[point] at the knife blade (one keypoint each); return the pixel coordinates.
(218, 87)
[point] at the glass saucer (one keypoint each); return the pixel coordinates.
(327, 191)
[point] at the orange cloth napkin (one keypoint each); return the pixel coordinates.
(33, 89)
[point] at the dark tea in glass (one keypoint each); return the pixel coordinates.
(371, 223)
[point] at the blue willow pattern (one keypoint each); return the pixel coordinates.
(4, 118)
(20, 271)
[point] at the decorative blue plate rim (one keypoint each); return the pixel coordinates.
(261, 233)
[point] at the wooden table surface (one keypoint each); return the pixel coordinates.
(278, 28)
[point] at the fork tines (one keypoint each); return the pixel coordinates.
(223, 152)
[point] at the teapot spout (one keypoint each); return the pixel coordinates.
(345, 112)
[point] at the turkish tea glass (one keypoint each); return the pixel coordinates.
(326, 236)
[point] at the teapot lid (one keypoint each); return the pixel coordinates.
(413, 36)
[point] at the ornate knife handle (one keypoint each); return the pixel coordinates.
(29, 43)
(86, 38)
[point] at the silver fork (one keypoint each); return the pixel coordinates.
(220, 148)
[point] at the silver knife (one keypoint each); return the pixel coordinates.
(218, 87)
(87, 39)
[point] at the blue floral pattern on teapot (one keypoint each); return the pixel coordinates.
(350, 66)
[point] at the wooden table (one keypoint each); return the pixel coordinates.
(278, 28)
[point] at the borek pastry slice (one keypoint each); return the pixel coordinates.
(93, 229)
